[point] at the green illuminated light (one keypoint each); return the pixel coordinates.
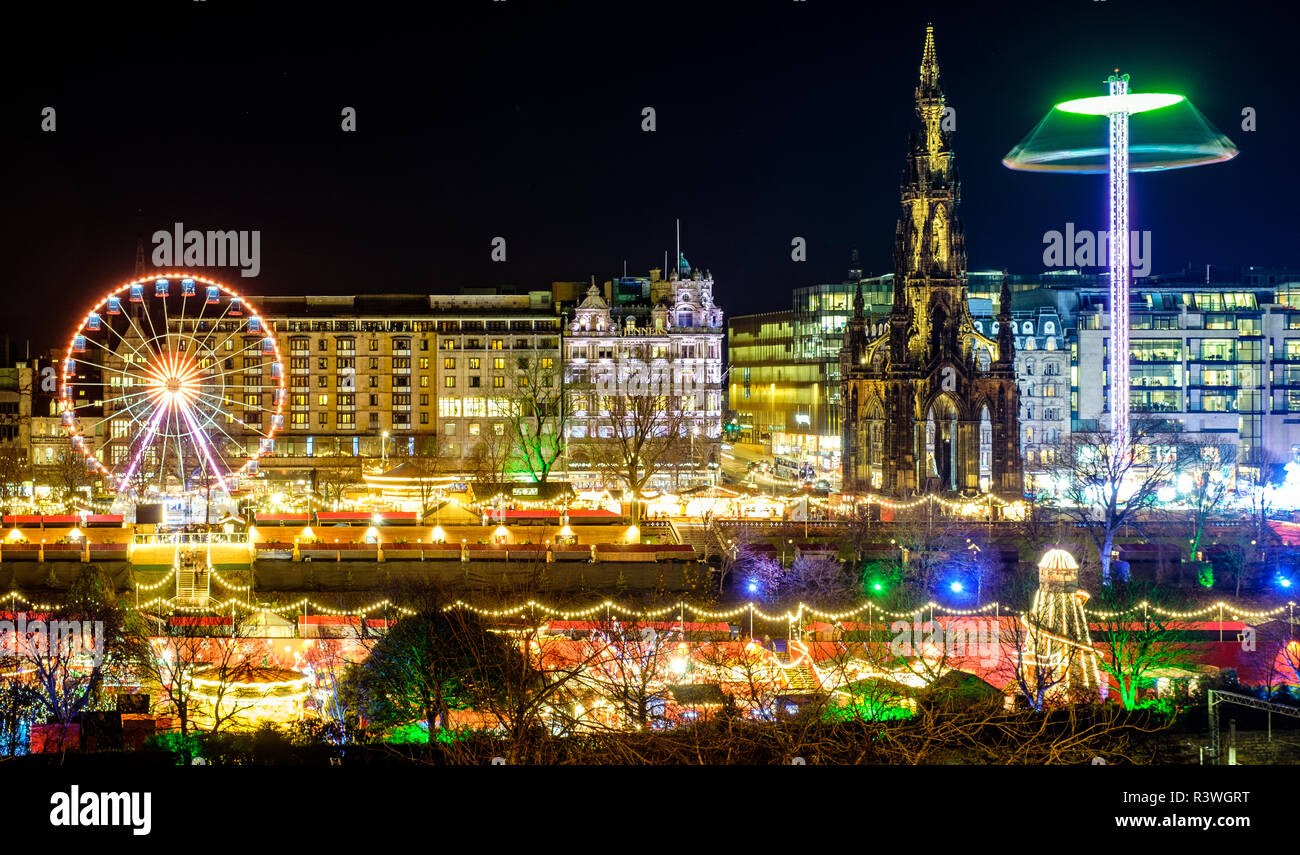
(1132, 102)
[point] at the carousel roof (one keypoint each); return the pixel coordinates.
(406, 471)
(248, 674)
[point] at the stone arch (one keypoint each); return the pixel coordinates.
(939, 455)
(871, 442)
(985, 426)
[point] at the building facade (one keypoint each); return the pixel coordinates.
(429, 376)
(1042, 367)
(918, 398)
(1221, 360)
(669, 350)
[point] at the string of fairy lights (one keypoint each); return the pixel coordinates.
(534, 609)
(975, 504)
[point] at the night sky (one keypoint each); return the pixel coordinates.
(523, 119)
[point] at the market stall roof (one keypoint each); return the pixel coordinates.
(529, 492)
(710, 491)
(249, 673)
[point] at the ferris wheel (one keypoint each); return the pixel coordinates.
(172, 385)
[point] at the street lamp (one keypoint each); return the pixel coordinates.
(979, 572)
(383, 448)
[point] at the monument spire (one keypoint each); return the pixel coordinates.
(929, 65)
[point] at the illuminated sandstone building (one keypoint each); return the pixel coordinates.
(921, 398)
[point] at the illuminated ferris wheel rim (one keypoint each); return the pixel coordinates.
(175, 383)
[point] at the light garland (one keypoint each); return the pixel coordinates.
(680, 608)
(159, 583)
(1219, 606)
(14, 595)
(971, 505)
(216, 577)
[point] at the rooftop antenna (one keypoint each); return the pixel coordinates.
(677, 260)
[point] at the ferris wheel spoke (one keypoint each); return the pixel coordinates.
(140, 332)
(145, 441)
(215, 416)
(96, 365)
(241, 370)
(203, 447)
(136, 350)
(242, 329)
(149, 317)
(236, 442)
(215, 421)
(222, 372)
(233, 404)
(118, 414)
(107, 385)
(125, 394)
(162, 454)
(114, 353)
(216, 322)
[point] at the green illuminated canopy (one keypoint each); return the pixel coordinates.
(1165, 132)
(1132, 102)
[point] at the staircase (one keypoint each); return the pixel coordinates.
(705, 540)
(802, 679)
(193, 580)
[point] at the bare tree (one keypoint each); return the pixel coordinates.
(332, 482)
(79, 647)
(70, 475)
(641, 432)
(169, 654)
(1210, 492)
(491, 457)
(13, 471)
(1108, 484)
(821, 579)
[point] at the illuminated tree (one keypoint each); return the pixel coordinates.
(537, 417)
(338, 707)
(1210, 491)
(1133, 641)
(491, 456)
(18, 710)
(331, 482)
(431, 663)
(629, 666)
(822, 580)
(85, 645)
